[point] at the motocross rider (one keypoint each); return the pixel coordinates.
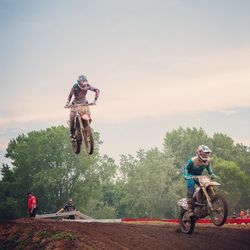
(79, 90)
(194, 167)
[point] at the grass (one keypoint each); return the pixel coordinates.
(21, 241)
(62, 235)
(56, 235)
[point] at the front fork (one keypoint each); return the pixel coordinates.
(208, 197)
(84, 125)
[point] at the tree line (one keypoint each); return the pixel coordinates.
(147, 184)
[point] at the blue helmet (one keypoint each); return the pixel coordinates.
(82, 78)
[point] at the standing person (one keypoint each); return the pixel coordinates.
(234, 214)
(242, 214)
(79, 90)
(32, 206)
(195, 167)
(69, 207)
(248, 213)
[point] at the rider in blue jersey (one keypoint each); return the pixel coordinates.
(195, 166)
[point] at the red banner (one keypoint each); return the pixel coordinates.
(205, 221)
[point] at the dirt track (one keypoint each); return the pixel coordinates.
(48, 234)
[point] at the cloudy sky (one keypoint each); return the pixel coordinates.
(159, 64)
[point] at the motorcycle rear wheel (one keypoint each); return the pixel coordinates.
(187, 224)
(219, 212)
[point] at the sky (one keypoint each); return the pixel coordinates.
(159, 64)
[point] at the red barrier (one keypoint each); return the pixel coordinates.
(238, 221)
(148, 220)
(203, 221)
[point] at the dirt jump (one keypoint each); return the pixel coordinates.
(51, 234)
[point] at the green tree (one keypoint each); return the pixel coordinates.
(235, 183)
(148, 184)
(43, 162)
(230, 161)
(149, 190)
(8, 195)
(182, 143)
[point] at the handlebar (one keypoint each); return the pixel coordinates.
(67, 106)
(199, 176)
(194, 177)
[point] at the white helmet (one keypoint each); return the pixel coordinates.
(203, 153)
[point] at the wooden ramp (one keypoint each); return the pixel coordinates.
(78, 215)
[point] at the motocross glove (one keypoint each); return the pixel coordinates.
(67, 104)
(213, 176)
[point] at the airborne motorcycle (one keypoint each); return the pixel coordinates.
(83, 131)
(206, 203)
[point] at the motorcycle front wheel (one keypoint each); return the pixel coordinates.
(76, 143)
(219, 211)
(76, 146)
(88, 140)
(187, 224)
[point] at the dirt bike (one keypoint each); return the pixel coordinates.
(206, 203)
(83, 131)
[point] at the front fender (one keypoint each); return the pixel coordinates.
(213, 183)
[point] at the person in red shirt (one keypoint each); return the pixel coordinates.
(32, 207)
(242, 214)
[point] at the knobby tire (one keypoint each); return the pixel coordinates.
(188, 226)
(218, 197)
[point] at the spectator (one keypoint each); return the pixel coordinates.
(69, 207)
(32, 207)
(242, 214)
(248, 213)
(234, 214)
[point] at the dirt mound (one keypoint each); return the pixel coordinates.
(49, 234)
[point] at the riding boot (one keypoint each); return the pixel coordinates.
(190, 203)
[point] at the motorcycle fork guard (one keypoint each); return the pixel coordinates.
(207, 197)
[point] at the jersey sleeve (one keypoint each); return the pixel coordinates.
(97, 91)
(33, 201)
(186, 167)
(210, 169)
(70, 94)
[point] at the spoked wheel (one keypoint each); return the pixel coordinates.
(88, 140)
(187, 224)
(219, 212)
(76, 144)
